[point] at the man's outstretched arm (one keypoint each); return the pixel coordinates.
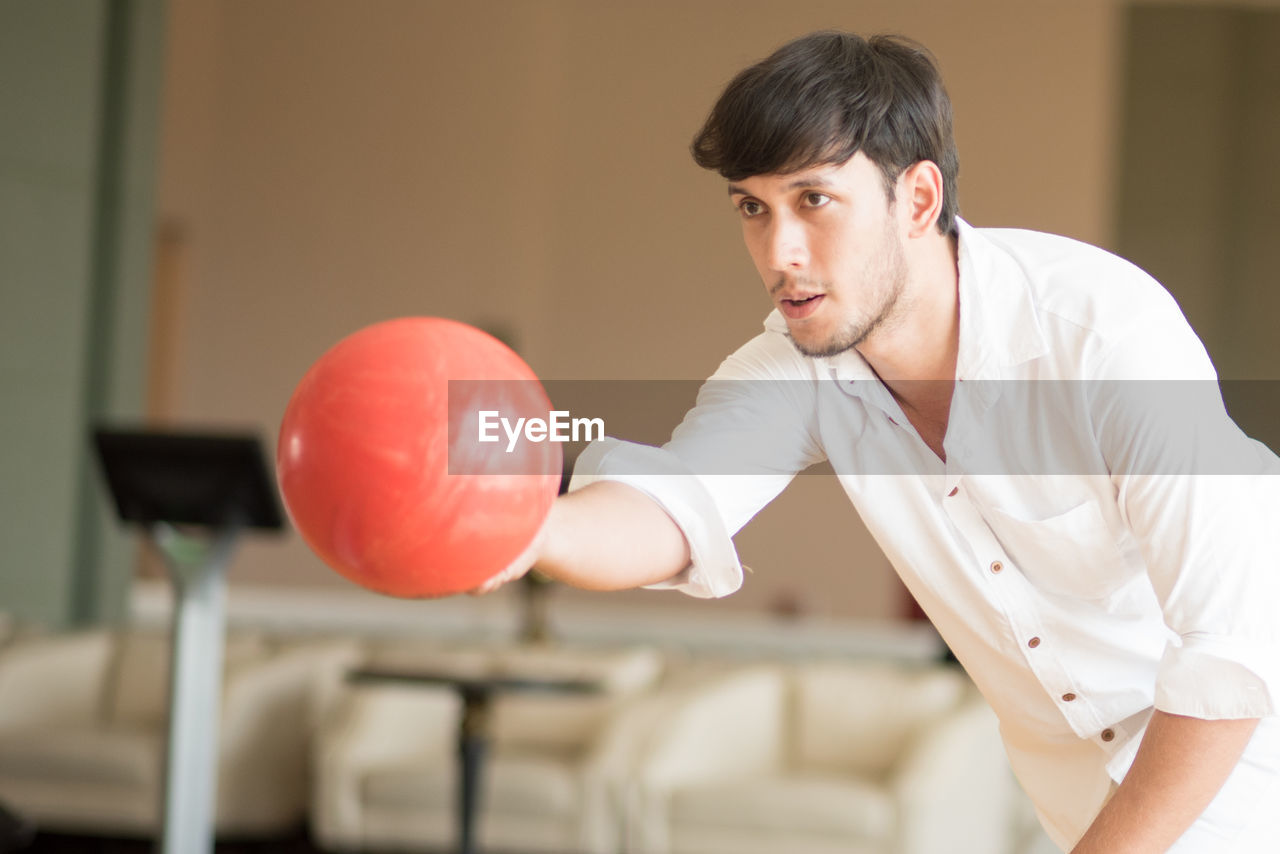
(605, 536)
(1179, 768)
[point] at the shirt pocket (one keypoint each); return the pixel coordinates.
(1070, 554)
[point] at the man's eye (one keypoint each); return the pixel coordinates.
(816, 200)
(751, 208)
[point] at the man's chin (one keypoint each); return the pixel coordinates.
(820, 349)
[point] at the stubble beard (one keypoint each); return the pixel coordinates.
(892, 272)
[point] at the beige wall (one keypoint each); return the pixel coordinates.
(525, 164)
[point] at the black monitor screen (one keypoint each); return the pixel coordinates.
(188, 478)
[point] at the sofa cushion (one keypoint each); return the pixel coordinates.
(563, 726)
(567, 723)
(860, 717)
(517, 784)
(137, 692)
(846, 806)
(126, 757)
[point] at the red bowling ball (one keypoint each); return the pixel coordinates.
(381, 466)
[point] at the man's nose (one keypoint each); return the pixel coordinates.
(787, 248)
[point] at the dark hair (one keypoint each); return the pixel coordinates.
(826, 96)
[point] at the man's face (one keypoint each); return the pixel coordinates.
(825, 242)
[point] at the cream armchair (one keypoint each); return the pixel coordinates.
(824, 759)
(83, 719)
(386, 755)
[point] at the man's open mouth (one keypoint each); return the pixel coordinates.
(797, 309)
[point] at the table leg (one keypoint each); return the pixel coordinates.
(473, 744)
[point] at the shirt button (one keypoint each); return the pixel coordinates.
(996, 566)
(1068, 697)
(1033, 643)
(1108, 735)
(952, 493)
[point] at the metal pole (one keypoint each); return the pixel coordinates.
(197, 569)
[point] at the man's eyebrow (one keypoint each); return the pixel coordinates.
(803, 182)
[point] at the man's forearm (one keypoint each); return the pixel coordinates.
(610, 536)
(1179, 768)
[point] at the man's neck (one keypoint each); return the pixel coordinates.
(916, 356)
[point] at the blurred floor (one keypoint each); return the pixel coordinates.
(56, 843)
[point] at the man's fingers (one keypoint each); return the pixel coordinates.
(518, 568)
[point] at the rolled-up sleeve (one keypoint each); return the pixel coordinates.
(1203, 503)
(1211, 548)
(750, 431)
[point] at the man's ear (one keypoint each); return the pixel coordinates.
(920, 186)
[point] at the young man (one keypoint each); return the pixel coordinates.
(1027, 426)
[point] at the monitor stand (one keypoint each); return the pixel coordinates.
(192, 495)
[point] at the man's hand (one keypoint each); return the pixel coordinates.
(1180, 767)
(519, 567)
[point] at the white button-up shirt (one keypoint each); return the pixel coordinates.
(1100, 541)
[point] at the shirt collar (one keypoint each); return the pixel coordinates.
(999, 327)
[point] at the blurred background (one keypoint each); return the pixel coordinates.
(198, 197)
